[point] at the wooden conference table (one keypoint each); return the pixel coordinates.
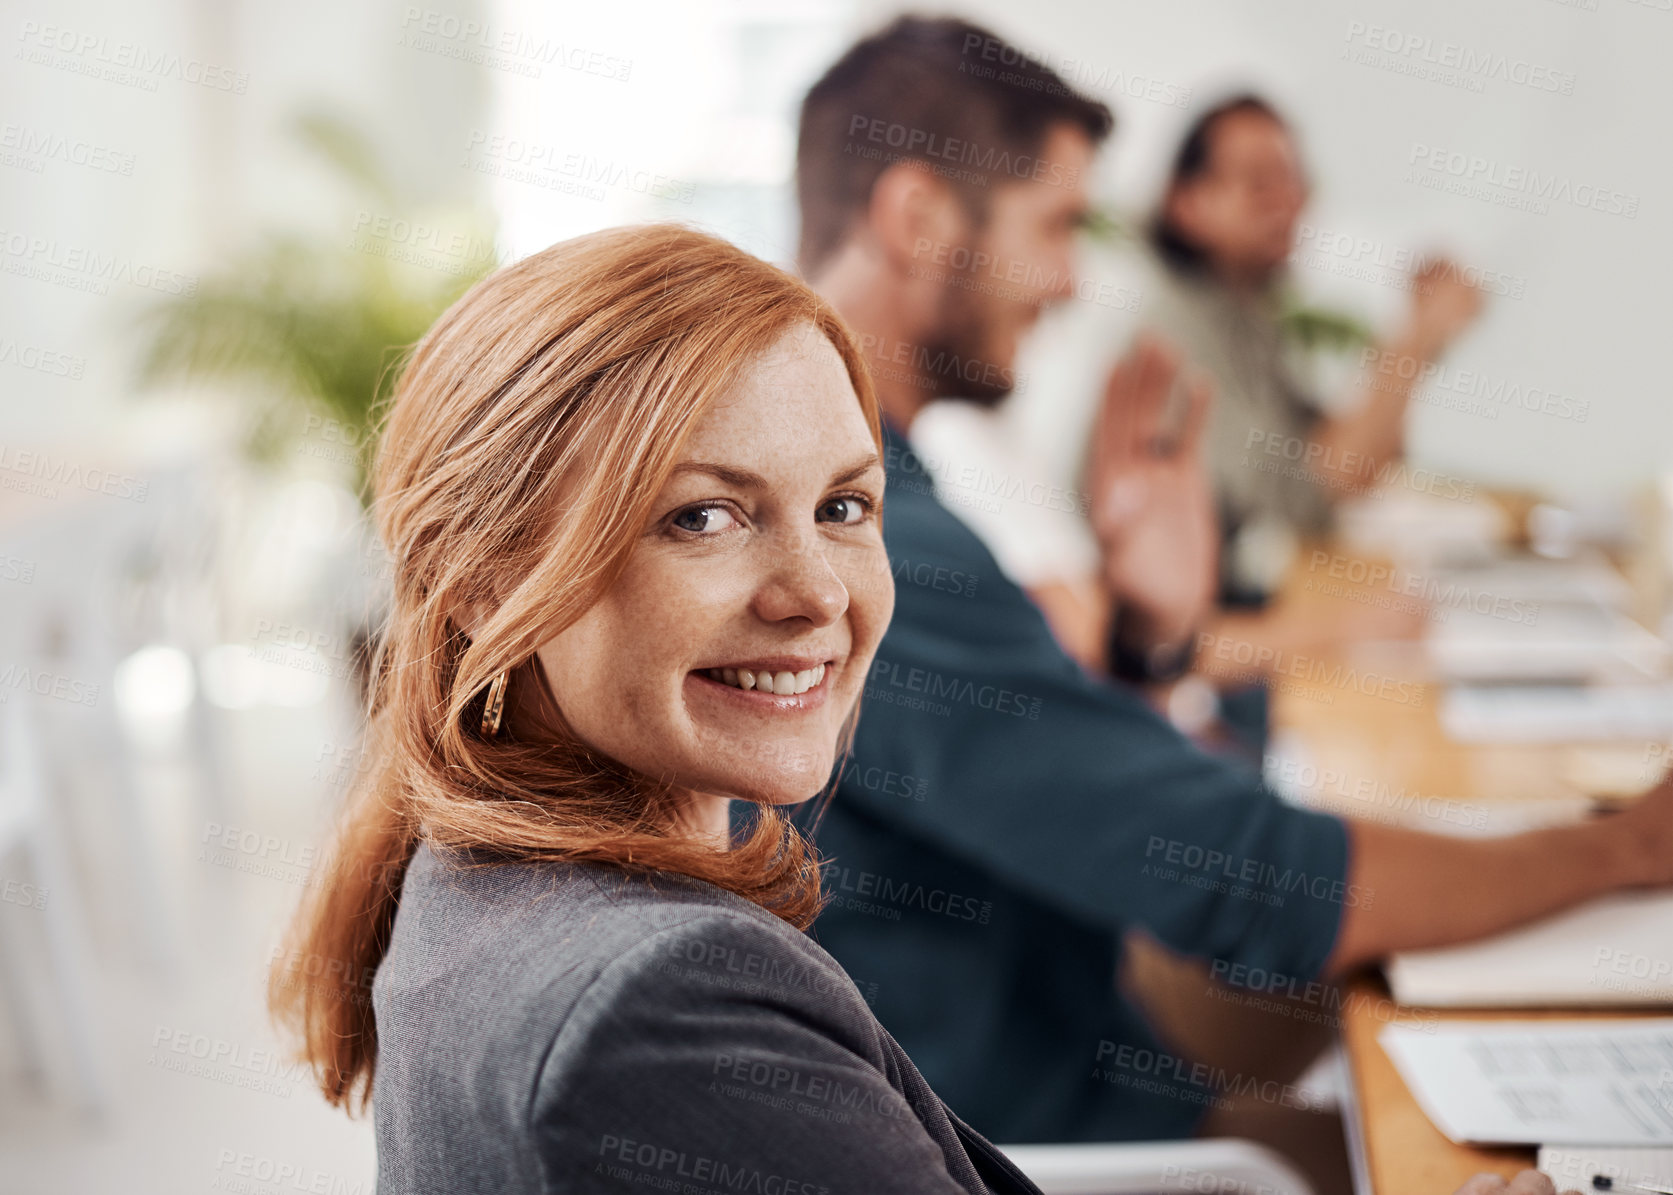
(1397, 1150)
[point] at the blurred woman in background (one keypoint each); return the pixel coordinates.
(1226, 227)
(632, 492)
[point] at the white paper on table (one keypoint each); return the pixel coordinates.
(1613, 950)
(1541, 1082)
(1559, 713)
(1567, 643)
(1572, 1169)
(1584, 580)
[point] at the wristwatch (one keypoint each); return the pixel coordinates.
(1152, 664)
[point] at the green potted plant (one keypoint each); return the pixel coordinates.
(310, 329)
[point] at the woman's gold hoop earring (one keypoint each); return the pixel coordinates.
(495, 706)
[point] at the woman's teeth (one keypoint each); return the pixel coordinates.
(779, 684)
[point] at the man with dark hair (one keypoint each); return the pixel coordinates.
(988, 148)
(1006, 816)
(924, 95)
(885, 102)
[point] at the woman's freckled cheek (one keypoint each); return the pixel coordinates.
(677, 600)
(620, 701)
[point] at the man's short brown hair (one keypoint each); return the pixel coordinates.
(941, 92)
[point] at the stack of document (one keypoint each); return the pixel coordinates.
(1557, 713)
(1541, 1082)
(1579, 643)
(1533, 581)
(1544, 651)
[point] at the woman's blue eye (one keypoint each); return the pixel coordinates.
(843, 510)
(703, 518)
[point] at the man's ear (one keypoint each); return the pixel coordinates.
(915, 217)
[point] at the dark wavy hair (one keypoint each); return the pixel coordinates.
(940, 81)
(1192, 162)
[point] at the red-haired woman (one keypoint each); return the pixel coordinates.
(632, 491)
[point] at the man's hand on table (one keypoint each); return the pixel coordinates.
(1644, 830)
(1423, 890)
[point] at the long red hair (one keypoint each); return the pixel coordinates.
(531, 430)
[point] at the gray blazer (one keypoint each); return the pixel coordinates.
(568, 1027)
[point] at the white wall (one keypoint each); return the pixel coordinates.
(209, 166)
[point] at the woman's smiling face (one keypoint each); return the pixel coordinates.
(729, 653)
